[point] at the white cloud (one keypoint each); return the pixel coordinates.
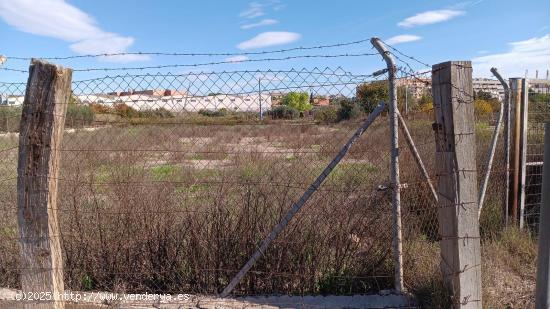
(60, 20)
(254, 10)
(263, 22)
(403, 38)
(430, 17)
(267, 39)
(236, 58)
(257, 9)
(532, 54)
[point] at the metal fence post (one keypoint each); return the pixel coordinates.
(542, 295)
(523, 160)
(394, 169)
(302, 201)
(507, 127)
(41, 131)
(494, 141)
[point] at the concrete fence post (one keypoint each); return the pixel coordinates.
(41, 131)
(457, 181)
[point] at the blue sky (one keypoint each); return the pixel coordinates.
(502, 33)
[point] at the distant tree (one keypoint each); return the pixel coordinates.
(482, 109)
(347, 108)
(483, 95)
(297, 100)
(425, 103)
(370, 94)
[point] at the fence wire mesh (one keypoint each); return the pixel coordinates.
(169, 182)
(538, 114)
(173, 189)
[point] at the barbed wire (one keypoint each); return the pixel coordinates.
(193, 54)
(405, 55)
(206, 63)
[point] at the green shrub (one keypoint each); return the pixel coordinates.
(297, 100)
(326, 114)
(79, 115)
(160, 112)
(347, 109)
(370, 95)
(10, 116)
(214, 113)
(284, 112)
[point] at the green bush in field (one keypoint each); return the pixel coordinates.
(160, 112)
(79, 115)
(340, 109)
(370, 94)
(284, 112)
(297, 100)
(10, 116)
(347, 109)
(214, 113)
(325, 114)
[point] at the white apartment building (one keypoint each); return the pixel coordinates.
(494, 87)
(11, 100)
(184, 102)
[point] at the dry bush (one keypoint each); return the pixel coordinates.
(167, 208)
(509, 270)
(182, 204)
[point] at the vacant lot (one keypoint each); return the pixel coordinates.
(171, 207)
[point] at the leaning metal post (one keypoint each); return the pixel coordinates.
(394, 169)
(302, 201)
(494, 141)
(416, 156)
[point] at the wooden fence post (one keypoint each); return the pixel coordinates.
(457, 181)
(41, 131)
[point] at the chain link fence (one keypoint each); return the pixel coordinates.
(538, 114)
(170, 182)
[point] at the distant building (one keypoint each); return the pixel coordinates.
(319, 100)
(277, 98)
(11, 100)
(416, 87)
(539, 85)
(153, 92)
(180, 101)
(491, 86)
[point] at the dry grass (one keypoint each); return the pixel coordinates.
(509, 270)
(181, 206)
(165, 208)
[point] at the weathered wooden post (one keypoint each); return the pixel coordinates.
(457, 181)
(41, 131)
